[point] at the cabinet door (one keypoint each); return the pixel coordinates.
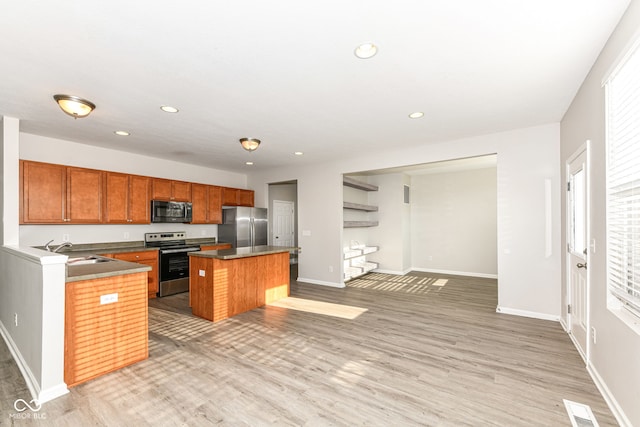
(139, 199)
(161, 189)
(229, 196)
(245, 198)
(116, 198)
(43, 193)
(149, 258)
(215, 205)
(84, 195)
(181, 191)
(199, 198)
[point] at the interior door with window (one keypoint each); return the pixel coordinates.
(577, 250)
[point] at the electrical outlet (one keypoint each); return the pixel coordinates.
(126, 234)
(15, 319)
(331, 269)
(108, 298)
(203, 232)
(593, 334)
(65, 237)
(429, 258)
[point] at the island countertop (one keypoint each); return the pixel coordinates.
(226, 254)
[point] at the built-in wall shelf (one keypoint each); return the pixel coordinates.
(354, 183)
(359, 207)
(354, 224)
(355, 261)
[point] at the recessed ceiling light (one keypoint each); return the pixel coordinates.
(122, 133)
(298, 153)
(169, 109)
(416, 115)
(366, 50)
(248, 163)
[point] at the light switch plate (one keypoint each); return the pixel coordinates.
(201, 273)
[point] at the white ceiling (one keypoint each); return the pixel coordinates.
(285, 72)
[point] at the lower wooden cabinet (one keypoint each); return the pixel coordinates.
(106, 326)
(149, 258)
(216, 247)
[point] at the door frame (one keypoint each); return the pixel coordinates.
(586, 149)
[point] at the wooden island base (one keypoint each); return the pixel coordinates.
(221, 288)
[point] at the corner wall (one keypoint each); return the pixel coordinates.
(614, 357)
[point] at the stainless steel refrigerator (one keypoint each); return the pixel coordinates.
(243, 226)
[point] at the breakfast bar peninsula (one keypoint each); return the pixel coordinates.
(223, 283)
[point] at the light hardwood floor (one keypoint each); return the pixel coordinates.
(433, 353)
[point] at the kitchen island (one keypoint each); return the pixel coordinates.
(223, 283)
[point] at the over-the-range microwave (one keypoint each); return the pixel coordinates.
(162, 211)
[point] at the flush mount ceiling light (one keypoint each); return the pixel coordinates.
(74, 106)
(122, 133)
(366, 50)
(416, 115)
(298, 153)
(249, 163)
(250, 144)
(169, 109)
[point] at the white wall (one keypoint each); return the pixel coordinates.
(392, 219)
(50, 150)
(454, 227)
(615, 355)
(529, 280)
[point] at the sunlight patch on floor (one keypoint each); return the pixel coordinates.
(319, 307)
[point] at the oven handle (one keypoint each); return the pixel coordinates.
(176, 251)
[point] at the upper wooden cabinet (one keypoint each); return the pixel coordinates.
(237, 197)
(169, 190)
(207, 204)
(54, 194)
(127, 199)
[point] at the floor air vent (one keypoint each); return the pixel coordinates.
(580, 415)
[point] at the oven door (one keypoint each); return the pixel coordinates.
(174, 270)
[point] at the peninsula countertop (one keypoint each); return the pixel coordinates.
(226, 254)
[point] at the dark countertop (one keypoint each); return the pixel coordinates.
(226, 254)
(99, 270)
(115, 267)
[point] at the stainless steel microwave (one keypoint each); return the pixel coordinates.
(162, 211)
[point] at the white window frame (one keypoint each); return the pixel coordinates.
(622, 89)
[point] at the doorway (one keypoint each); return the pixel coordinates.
(577, 249)
(283, 219)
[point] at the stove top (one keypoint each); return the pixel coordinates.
(166, 240)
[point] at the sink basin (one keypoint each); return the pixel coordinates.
(91, 259)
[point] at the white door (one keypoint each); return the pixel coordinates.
(577, 250)
(283, 223)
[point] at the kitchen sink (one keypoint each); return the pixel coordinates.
(91, 259)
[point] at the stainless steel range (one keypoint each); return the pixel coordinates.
(174, 261)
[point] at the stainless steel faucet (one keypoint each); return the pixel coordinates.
(60, 246)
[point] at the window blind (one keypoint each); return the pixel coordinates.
(623, 182)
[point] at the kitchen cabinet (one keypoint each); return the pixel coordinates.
(106, 326)
(149, 258)
(169, 190)
(237, 197)
(207, 204)
(127, 199)
(57, 194)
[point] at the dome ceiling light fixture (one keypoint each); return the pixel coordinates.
(416, 115)
(74, 106)
(169, 109)
(250, 144)
(366, 51)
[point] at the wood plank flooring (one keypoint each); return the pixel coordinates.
(431, 354)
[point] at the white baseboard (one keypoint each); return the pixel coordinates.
(394, 272)
(525, 313)
(608, 397)
(456, 273)
(320, 282)
(41, 396)
(564, 325)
